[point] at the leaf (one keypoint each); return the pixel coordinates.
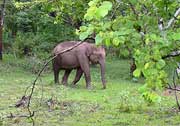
(116, 41)
(122, 39)
(107, 5)
(83, 35)
(137, 73)
(98, 39)
(93, 2)
(146, 65)
(153, 37)
(90, 13)
(108, 41)
(176, 36)
(83, 28)
(143, 89)
(103, 10)
(160, 64)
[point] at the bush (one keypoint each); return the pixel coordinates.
(40, 43)
(31, 63)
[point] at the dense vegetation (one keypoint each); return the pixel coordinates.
(146, 33)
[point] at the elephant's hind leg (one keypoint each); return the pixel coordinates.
(65, 77)
(79, 73)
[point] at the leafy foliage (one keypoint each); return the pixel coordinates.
(129, 25)
(136, 28)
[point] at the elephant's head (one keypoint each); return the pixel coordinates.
(97, 56)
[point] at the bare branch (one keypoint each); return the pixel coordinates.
(133, 9)
(173, 54)
(173, 18)
(31, 114)
(171, 88)
(2, 12)
(115, 9)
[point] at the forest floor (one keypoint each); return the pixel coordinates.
(118, 105)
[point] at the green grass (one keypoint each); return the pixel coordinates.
(118, 105)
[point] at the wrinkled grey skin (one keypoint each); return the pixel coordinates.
(78, 58)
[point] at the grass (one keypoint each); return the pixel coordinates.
(118, 105)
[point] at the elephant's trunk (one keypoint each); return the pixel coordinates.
(102, 65)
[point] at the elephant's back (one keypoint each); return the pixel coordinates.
(65, 45)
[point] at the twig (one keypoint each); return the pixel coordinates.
(133, 9)
(115, 10)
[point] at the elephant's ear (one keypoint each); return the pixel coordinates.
(89, 51)
(94, 58)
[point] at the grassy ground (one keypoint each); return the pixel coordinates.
(119, 105)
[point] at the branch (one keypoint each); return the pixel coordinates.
(171, 88)
(133, 9)
(160, 22)
(2, 12)
(173, 54)
(173, 18)
(175, 93)
(115, 10)
(31, 114)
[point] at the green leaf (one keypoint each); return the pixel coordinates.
(83, 35)
(160, 64)
(83, 28)
(122, 39)
(143, 89)
(116, 41)
(93, 2)
(146, 65)
(137, 73)
(103, 10)
(90, 13)
(176, 36)
(107, 5)
(108, 41)
(98, 39)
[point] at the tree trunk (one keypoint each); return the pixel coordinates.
(1, 39)
(1, 27)
(132, 66)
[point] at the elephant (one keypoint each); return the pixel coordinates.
(78, 58)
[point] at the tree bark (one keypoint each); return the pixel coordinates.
(1, 27)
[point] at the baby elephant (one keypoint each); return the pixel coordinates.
(78, 58)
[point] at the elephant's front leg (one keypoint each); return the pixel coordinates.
(79, 73)
(56, 70)
(84, 63)
(65, 77)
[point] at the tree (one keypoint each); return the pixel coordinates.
(133, 24)
(1, 27)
